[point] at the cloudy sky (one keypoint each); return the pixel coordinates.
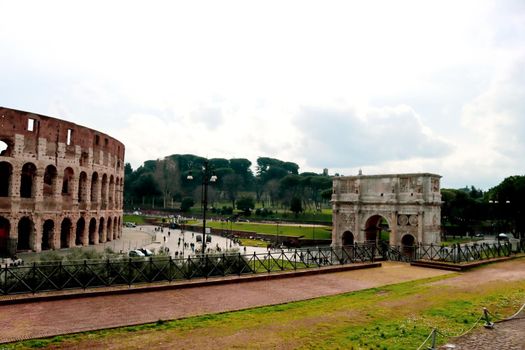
(382, 86)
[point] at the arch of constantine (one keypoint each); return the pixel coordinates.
(403, 209)
(61, 184)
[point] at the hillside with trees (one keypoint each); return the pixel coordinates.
(163, 184)
(278, 184)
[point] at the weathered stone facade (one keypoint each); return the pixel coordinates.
(61, 184)
(410, 204)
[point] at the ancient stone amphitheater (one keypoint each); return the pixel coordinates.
(61, 184)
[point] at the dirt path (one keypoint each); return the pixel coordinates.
(41, 319)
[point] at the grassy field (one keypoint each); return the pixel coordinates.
(320, 232)
(398, 316)
(253, 242)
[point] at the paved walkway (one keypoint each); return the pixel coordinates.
(39, 319)
(508, 335)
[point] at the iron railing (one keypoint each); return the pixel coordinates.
(52, 276)
(464, 253)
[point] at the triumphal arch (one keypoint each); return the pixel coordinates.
(401, 209)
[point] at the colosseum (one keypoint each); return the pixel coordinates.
(61, 184)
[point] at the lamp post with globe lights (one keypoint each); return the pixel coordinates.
(208, 176)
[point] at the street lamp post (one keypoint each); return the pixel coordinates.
(208, 176)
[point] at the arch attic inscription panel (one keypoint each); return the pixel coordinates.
(400, 208)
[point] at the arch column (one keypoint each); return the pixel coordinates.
(37, 229)
(15, 181)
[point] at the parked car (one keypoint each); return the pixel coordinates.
(136, 254)
(145, 251)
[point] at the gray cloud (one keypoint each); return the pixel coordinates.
(341, 138)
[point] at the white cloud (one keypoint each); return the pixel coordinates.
(247, 79)
(342, 138)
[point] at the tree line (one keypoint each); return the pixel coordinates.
(163, 183)
(501, 209)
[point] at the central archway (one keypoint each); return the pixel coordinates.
(377, 230)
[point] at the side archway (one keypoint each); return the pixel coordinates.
(348, 238)
(408, 243)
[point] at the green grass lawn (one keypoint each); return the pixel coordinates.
(398, 316)
(320, 232)
(253, 242)
(138, 219)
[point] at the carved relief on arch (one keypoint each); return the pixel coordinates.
(348, 221)
(435, 185)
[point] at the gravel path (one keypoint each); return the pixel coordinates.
(508, 335)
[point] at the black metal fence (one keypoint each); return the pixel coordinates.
(51, 276)
(467, 252)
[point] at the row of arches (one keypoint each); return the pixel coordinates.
(84, 188)
(59, 234)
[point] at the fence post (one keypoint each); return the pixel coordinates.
(239, 264)
(434, 334)
(5, 279)
(488, 324)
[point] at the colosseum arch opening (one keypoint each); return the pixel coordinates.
(25, 234)
(101, 231)
(82, 188)
(67, 182)
(50, 181)
(65, 233)
(79, 234)
(5, 227)
(95, 190)
(6, 147)
(48, 235)
(50, 172)
(93, 239)
(104, 192)
(109, 230)
(111, 191)
(27, 180)
(6, 169)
